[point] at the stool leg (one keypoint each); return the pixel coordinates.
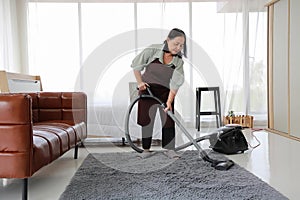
(198, 100)
(219, 106)
(199, 114)
(216, 108)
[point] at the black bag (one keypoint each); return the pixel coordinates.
(229, 140)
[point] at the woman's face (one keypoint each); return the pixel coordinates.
(176, 44)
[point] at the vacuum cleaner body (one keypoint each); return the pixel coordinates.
(228, 140)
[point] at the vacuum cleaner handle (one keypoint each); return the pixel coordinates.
(148, 90)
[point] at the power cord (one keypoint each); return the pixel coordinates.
(252, 134)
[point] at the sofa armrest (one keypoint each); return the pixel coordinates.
(16, 136)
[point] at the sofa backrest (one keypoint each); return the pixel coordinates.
(68, 106)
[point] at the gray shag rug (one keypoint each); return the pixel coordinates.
(125, 176)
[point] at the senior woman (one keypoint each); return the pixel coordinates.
(162, 68)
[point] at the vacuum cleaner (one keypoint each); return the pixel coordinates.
(227, 140)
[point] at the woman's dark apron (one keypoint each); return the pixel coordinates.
(158, 76)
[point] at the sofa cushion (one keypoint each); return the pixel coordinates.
(52, 141)
(79, 130)
(60, 133)
(41, 153)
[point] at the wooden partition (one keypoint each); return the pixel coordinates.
(284, 67)
(15, 82)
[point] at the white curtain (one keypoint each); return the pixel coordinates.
(244, 69)
(7, 33)
(13, 35)
(235, 40)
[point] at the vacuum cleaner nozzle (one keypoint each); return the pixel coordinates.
(223, 165)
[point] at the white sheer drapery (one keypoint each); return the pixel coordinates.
(9, 55)
(13, 35)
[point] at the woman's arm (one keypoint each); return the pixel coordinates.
(138, 76)
(170, 100)
(176, 81)
(139, 63)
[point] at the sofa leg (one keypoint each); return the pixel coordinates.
(81, 144)
(76, 151)
(123, 141)
(25, 189)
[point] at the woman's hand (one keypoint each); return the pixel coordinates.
(169, 106)
(143, 86)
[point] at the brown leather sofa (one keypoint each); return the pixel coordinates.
(37, 128)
